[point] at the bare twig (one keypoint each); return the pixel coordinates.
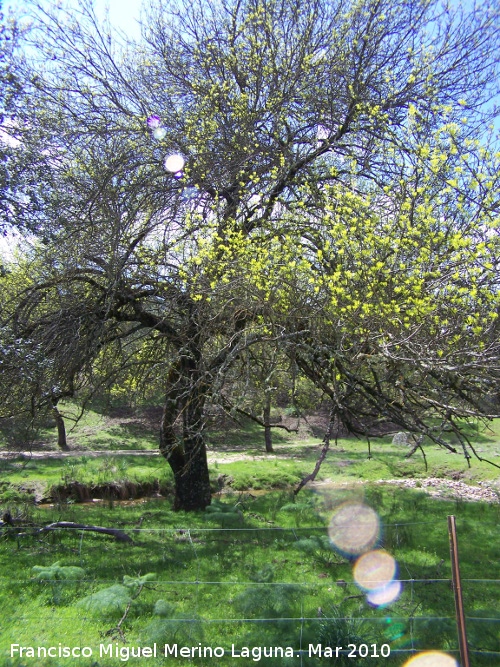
(117, 630)
(322, 456)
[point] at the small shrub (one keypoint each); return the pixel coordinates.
(13, 495)
(58, 576)
(318, 548)
(115, 599)
(111, 600)
(170, 626)
(225, 515)
(299, 510)
(277, 601)
(340, 628)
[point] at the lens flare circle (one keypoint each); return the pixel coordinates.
(332, 495)
(381, 597)
(354, 528)
(374, 570)
(153, 122)
(174, 163)
(431, 659)
(160, 133)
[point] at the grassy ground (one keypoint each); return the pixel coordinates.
(98, 429)
(256, 554)
(237, 453)
(262, 557)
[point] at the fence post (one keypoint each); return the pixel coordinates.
(457, 589)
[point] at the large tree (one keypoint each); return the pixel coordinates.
(317, 138)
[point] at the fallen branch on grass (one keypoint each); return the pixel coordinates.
(117, 631)
(119, 535)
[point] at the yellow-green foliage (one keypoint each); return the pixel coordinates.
(344, 196)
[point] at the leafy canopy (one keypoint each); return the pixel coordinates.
(339, 200)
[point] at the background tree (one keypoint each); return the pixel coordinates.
(264, 378)
(293, 119)
(34, 377)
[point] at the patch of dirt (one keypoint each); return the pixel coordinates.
(220, 456)
(314, 425)
(148, 417)
(232, 458)
(344, 464)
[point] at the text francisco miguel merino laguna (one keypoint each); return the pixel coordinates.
(123, 653)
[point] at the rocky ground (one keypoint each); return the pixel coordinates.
(448, 488)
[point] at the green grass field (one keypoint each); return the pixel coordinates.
(249, 558)
(294, 457)
(254, 570)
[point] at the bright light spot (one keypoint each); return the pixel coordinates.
(381, 597)
(431, 659)
(322, 132)
(6, 137)
(174, 163)
(375, 569)
(332, 495)
(159, 133)
(354, 529)
(153, 122)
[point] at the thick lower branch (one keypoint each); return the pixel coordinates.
(418, 445)
(229, 406)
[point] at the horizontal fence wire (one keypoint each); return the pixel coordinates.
(195, 615)
(229, 530)
(197, 582)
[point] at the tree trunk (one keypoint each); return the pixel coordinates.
(186, 453)
(61, 428)
(267, 423)
(192, 485)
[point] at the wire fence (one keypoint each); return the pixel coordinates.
(236, 595)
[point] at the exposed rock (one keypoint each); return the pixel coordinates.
(400, 438)
(449, 488)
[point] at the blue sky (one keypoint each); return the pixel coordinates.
(123, 13)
